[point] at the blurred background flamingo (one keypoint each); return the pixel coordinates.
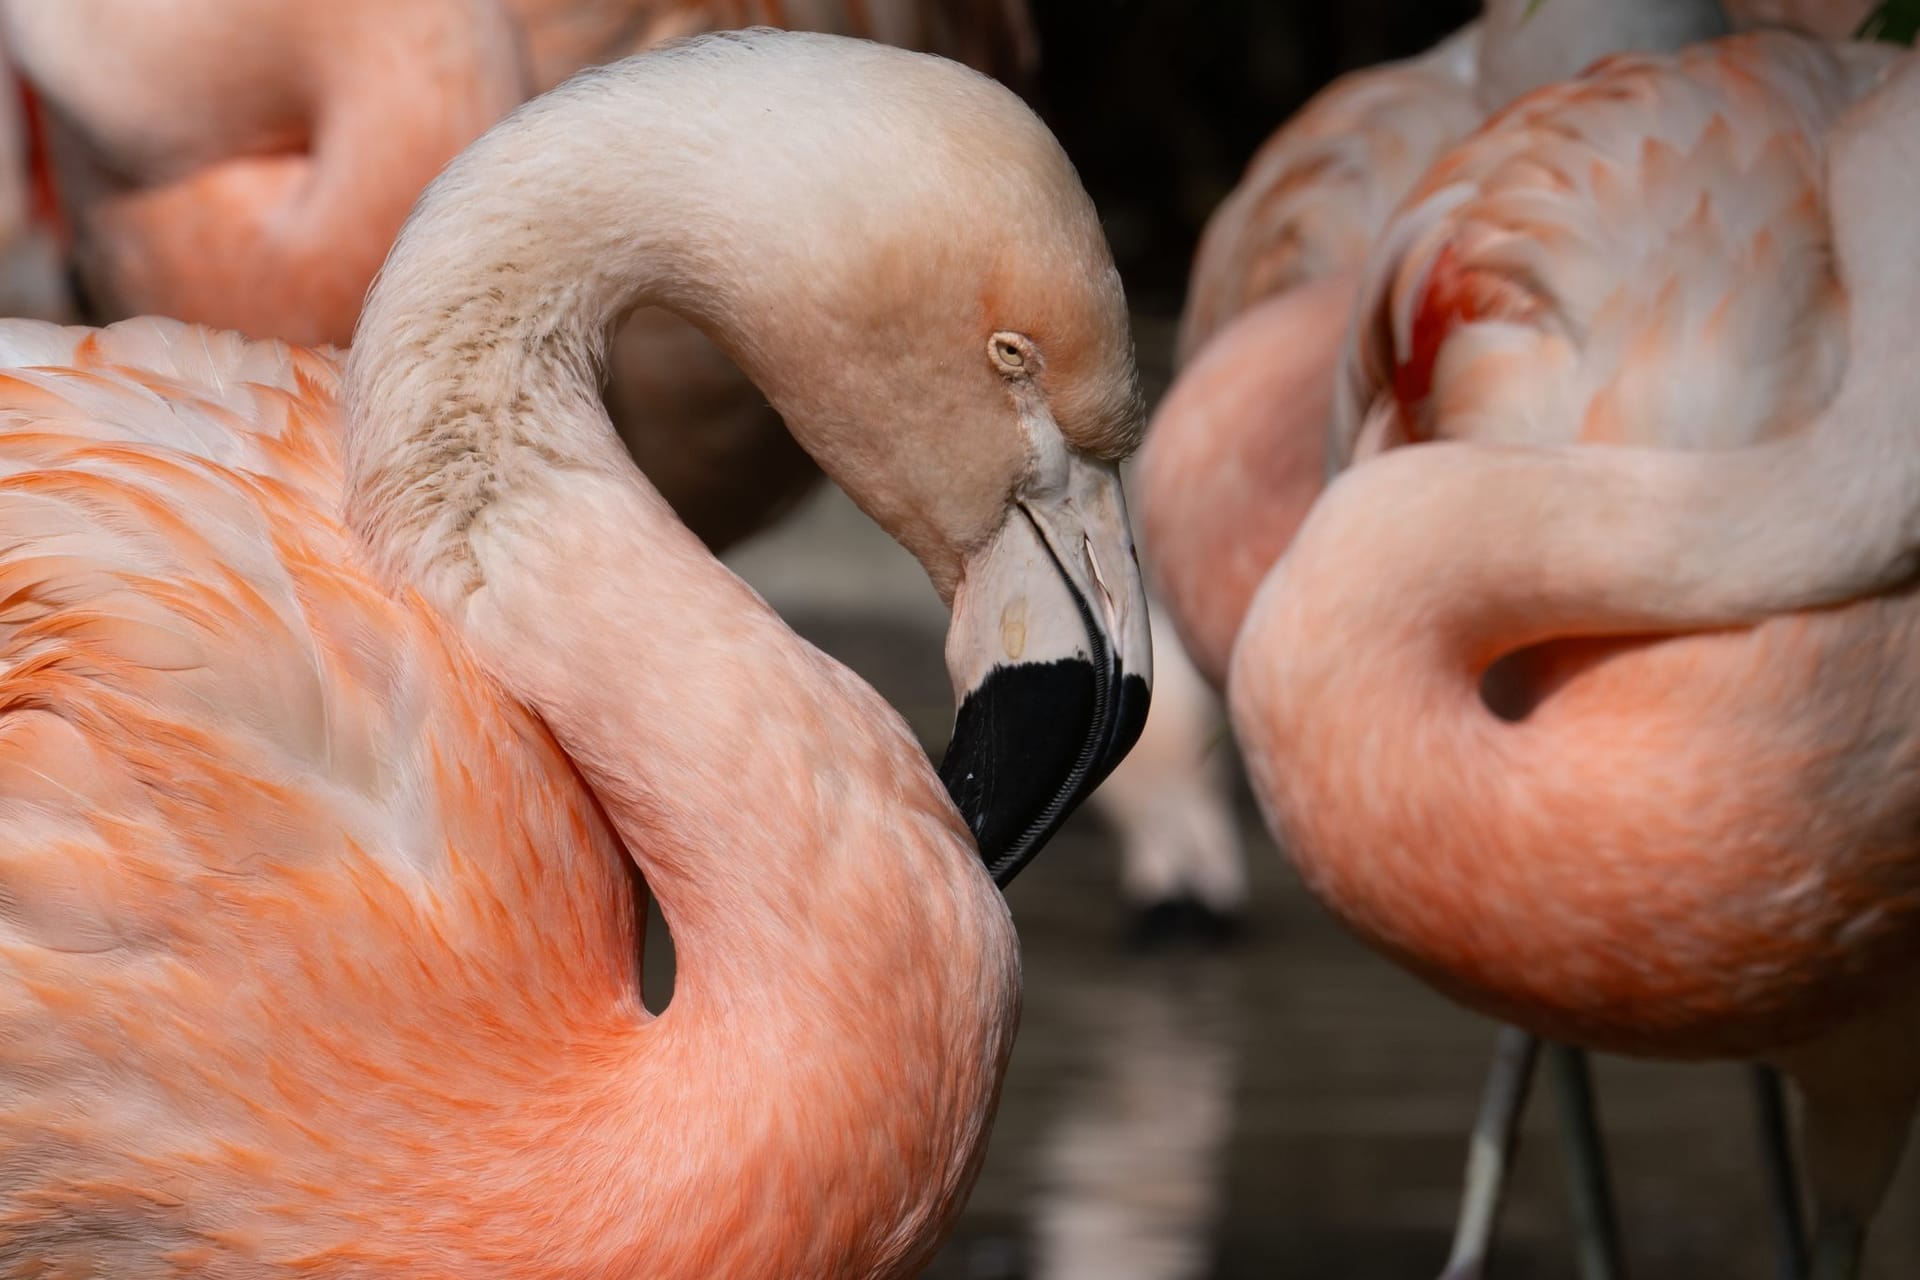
(1520, 302)
(1236, 457)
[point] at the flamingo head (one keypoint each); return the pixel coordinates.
(943, 329)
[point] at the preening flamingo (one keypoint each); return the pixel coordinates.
(1551, 724)
(327, 730)
(247, 195)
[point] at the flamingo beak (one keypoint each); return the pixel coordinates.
(1051, 664)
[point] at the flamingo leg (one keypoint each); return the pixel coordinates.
(1595, 1224)
(1785, 1212)
(1495, 1131)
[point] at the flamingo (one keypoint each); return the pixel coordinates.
(1615, 743)
(339, 705)
(703, 434)
(1235, 456)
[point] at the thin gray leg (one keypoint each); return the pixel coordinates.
(1596, 1226)
(1496, 1130)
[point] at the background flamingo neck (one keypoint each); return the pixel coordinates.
(1528, 43)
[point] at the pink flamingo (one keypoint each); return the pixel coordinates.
(1237, 455)
(327, 730)
(1571, 746)
(226, 243)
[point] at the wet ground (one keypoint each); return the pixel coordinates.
(1289, 1106)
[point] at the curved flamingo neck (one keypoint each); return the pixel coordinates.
(1593, 868)
(827, 905)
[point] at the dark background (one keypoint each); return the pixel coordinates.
(1161, 104)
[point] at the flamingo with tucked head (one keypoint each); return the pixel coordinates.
(1595, 708)
(1237, 452)
(331, 730)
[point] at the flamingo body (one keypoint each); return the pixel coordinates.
(1642, 260)
(1696, 845)
(291, 885)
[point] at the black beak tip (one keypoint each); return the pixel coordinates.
(1032, 741)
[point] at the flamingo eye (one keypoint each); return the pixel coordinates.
(1012, 354)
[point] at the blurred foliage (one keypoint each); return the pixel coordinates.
(1896, 22)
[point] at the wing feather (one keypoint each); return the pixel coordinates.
(1643, 255)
